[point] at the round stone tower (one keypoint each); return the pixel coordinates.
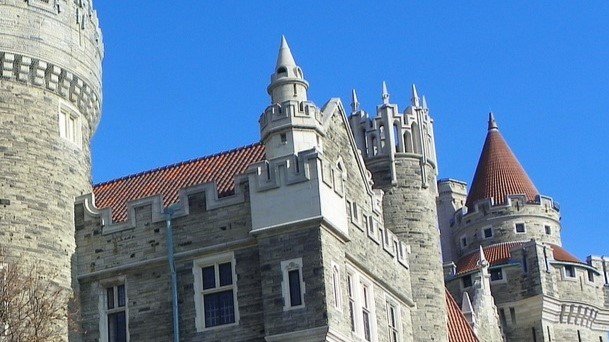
(50, 101)
(399, 151)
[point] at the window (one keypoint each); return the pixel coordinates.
(393, 321)
(284, 138)
(591, 276)
(463, 241)
(366, 311)
(361, 306)
(215, 291)
(293, 286)
(467, 281)
(336, 286)
(513, 315)
(496, 274)
(520, 228)
(548, 230)
(487, 232)
(69, 126)
(569, 271)
(350, 289)
(113, 323)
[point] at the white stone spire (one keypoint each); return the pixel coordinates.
(287, 82)
(468, 310)
(285, 57)
(424, 102)
(354, 101)
(415, 96)
(385, 95)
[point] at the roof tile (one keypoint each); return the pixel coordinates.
(167, 181)
(458, 328)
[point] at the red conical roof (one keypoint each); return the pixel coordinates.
(499, 173)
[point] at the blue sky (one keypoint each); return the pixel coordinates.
(188, 79)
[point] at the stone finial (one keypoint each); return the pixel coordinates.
(482, 262)
(492, 124)
(354, 101)
(415, 96)
(385, 95)
(285, 57)
(424, 102)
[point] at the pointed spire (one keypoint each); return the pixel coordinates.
(482, 261)
(424, 102)
(466, 307)
(499, 173)
(354, 101)
(285, 57)
(492, 124)
(415, 96)
(385, 95)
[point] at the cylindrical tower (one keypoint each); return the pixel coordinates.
(50, 101)
(399, 151)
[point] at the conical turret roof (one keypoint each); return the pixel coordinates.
(499, 173)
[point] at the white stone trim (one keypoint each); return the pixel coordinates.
(516, 229)
(197, 267)
(390, 301)
(503, 279)
(483, 230)
(286, 267)
(359, 281)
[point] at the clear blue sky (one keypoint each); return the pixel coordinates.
(187, 79)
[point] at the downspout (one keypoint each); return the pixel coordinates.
(169, 211)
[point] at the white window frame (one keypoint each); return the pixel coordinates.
(402, 254)
(391, 302)
(388, 242)
(70, 133)
(103, 308)
(587, 276)
(484, 235)
(197, 270)
(358, 282)
(286, 267)
(373, 230)
(503, 276)
(523, 225)
(336, 287)
(566, 276)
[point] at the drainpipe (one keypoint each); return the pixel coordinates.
(169, 212)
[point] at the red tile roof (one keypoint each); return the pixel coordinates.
(167, 181)
(458, 328)
(499, 254)
(499, 173)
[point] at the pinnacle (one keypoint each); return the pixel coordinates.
(285, 57)
(415, 96)
(492, 124)
(354, 101)
(385, 94)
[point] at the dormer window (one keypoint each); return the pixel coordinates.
(282, 70)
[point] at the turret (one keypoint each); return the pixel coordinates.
(50, 104)
(399, 151)
(291, 123)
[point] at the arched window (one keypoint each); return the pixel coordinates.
(282, 70)
(396, 136)
(408, 142)
(416, 138)
(374, 147)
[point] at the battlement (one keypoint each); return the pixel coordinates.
(514, 204)
(296, 113)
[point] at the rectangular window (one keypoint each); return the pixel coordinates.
(366, 312)
(570, 271)
(467, 281)
(293, 286)
(392, 322)
(513, 315)
(351, 301)
(590, 276)
(116, 313)
(463, 241)
(520, 228)
(496, 274)
(548, 230)
(488, 233)
(215, 291)
(69, 127)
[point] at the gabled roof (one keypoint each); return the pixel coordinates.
(168, 180)
(499, 173)
(458, 328)
(499, 254)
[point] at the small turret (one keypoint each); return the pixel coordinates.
(287, 82)
(291, 123)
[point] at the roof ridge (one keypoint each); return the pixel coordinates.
(495, 245)
(173, 165)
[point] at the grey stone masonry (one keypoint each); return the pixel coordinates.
(50, 100)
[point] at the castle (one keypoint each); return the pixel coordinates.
(333, 227)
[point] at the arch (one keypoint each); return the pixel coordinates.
(282, 70)
(416, 138)
(397, 136)
(408, 142)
